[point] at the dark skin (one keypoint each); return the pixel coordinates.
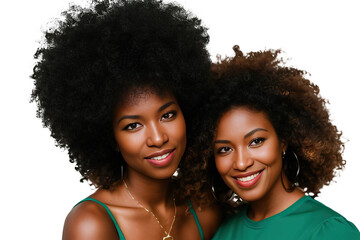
(143, 126)
(248, 155)
(90, 221)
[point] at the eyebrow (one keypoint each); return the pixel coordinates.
(254, 131)
(128, 117)
(221, 141)
(166, 105)
(247, 135)
(138, 116)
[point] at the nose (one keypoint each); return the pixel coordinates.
(156, 136)
(242, 160)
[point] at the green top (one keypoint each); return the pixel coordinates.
(121, 235)
(306, 219)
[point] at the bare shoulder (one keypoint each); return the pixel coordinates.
(210, 218)
(89, 221)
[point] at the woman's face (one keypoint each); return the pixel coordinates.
(248, 154)
(151, 134)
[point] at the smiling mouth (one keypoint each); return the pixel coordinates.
(161, 157)
(247, 181)
(248, 178)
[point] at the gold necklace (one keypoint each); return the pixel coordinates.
(168, 236)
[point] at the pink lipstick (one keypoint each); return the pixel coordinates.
(249, 179)
(162, 158)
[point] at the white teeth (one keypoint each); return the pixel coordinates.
(248, 178)
(161, 157)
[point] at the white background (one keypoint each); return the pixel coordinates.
(38, 184)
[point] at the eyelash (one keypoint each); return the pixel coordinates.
(257, 142)
(131, 126)
(171, 113)
(254, 143)
(219, 151)
(134, 126)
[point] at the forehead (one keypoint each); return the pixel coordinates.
(242, 119)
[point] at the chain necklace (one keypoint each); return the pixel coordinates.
(168, 236)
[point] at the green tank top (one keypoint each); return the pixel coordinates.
(121, 235)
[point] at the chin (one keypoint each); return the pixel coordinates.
(166, 173)
(250, 197)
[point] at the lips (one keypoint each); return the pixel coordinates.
(249, 179)
(162, 158)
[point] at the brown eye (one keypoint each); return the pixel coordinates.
(257, 142)
(224, 150)
(132, 126)
(168, 115)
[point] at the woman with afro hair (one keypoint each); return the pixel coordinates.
(270, 147)
(114, 83)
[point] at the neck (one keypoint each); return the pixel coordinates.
(149, 191)
(274, 202)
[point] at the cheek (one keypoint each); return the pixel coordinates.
(223, 165)
(129, 145)
(271, 155)
(178, 132)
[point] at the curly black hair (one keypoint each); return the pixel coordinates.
(260, 81)
(93, 57)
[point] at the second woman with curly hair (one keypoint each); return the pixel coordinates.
(267, 136)
(114, 83)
